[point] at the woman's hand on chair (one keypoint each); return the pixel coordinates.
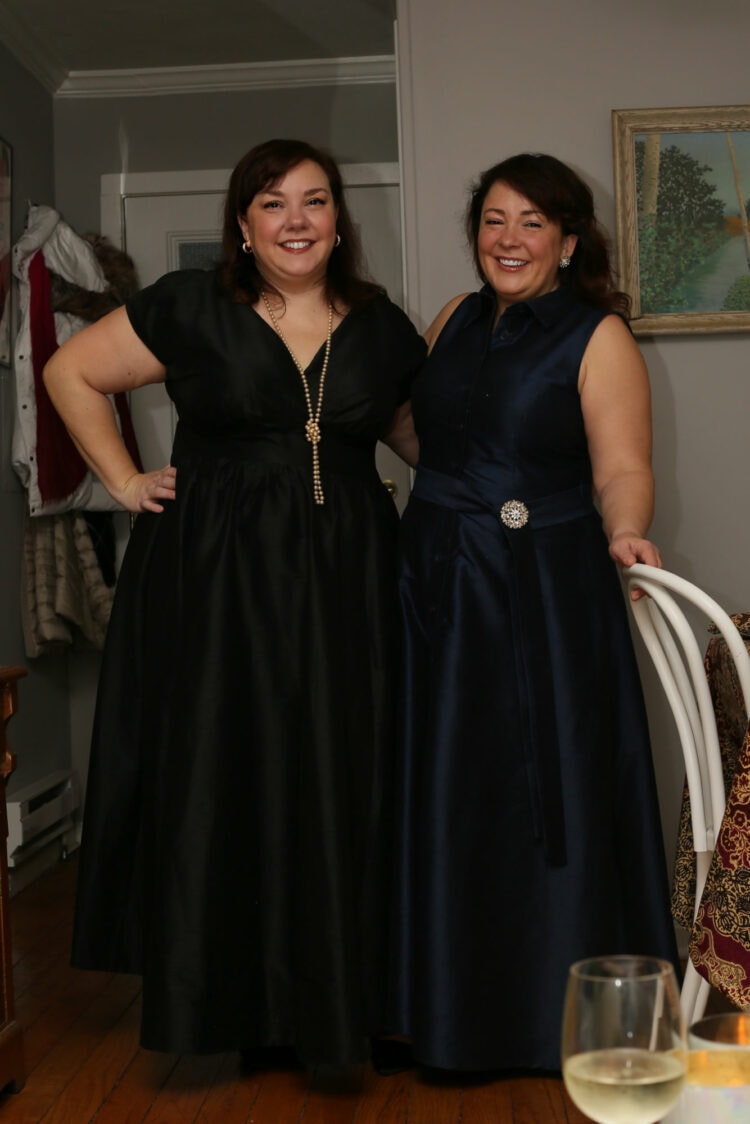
(626, 549)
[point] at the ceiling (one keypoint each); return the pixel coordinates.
(54, 38)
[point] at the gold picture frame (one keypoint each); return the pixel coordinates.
(682, 196)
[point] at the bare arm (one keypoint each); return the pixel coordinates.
(441, 320)
(103, 359)
(616, 404)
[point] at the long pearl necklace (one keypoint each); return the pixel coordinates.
(312, 425)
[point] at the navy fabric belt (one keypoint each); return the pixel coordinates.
(466, 495)
(533, 669)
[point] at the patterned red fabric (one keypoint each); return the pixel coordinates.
(720, 939)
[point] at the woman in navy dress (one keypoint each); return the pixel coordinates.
(530, 831)
(236, 845)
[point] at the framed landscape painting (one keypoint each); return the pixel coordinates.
(682, 196)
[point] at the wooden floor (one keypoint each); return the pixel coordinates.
(84, 1063)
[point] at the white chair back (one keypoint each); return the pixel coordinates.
(678, 659)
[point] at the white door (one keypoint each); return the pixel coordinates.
(171, 221)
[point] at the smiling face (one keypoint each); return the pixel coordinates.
(291, 226)
(518, 248)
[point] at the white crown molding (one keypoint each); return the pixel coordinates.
(29, 51)
(147, 82)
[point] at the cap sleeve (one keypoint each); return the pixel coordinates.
(163, 315)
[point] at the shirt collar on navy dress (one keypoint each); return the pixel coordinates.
(548, 309)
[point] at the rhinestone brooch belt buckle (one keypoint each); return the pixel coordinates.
(514, 514)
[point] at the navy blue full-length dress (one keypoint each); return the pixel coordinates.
(236, 845)
(530, 833)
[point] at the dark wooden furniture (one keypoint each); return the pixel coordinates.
(12, 1071)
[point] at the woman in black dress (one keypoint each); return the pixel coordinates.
(236, 838)
(531, 834)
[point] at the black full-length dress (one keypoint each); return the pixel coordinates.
(239, 806)
(530, 834)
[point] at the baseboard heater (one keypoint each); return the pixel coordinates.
(40, 814)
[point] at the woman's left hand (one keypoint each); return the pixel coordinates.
(627, 549)
(147, 491)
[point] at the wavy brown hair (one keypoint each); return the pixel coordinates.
(563, 197)
(261, 168)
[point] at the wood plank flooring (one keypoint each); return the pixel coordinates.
(84, 1063)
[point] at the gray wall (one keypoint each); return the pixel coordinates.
(39, 733)
(480, 81)
(185, 132)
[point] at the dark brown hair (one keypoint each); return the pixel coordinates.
(258, 170)
(563, 197)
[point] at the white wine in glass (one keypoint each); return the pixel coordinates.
(623, 1042)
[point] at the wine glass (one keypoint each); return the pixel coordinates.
(624, 1048)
